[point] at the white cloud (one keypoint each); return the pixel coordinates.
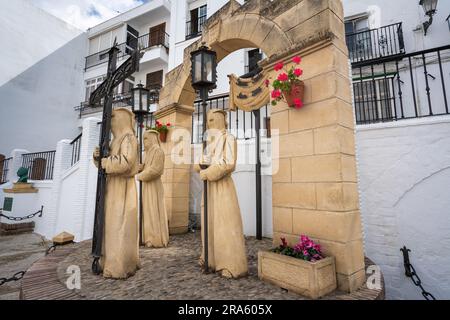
(80, 13)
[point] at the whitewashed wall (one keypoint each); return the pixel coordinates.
(404, 176)
(41, 76)
(385, 12)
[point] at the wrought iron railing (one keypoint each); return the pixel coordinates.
(376, 43)
(39, 164)
(144, 42)
(195, 28)
(396, 88)
(240, 123)
(154, 38)
(4, 168)
(76, 148)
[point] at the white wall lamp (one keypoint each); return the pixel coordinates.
(429, 6)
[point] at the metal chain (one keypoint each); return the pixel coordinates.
(51, 249)
(16, 277)
(410, 272)
(25, 217)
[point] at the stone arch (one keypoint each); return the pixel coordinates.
(232, 28)
(315, 190)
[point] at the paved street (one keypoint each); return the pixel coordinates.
(17, 253)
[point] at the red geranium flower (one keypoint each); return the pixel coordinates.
(298, 103)
(267, 82)
(278, 66)
(276, 94)
(297, 59)
(283, 77)
(168, 124)
(298, 72)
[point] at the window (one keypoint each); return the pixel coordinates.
(194, 27)
(358, 38)
(154, 79)
(132, 39)
(93, 84)
(254, 56)
(374, 99)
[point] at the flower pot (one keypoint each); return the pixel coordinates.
(297, 92)
(163, 136)
(311, 279)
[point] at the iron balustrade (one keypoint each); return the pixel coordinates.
(123, 100)
(144, 42)
(154, 38)
(4, 168)
(376, 43)
(241, 123)
(39, 164)
(396, 88)
(195, 28)
(76, 148)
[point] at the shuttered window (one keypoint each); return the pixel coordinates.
(154, 79)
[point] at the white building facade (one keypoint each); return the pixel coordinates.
(400, 80)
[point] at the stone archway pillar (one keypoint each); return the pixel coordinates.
(176, 175)
(315, 190)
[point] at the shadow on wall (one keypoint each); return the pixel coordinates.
(37, 106)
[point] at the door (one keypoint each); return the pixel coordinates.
(157, 35)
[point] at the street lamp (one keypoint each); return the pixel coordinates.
(141, 108)
(204, 77)
(429, 6)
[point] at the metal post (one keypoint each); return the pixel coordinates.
(257, 114)
(141, 227)
(204, 96)
(99, 219)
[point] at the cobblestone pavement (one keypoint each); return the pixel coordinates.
(174, 273)
(18, 253)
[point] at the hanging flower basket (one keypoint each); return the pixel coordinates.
(288, 86)
(163, 136)
(295, 94)
(163, 129)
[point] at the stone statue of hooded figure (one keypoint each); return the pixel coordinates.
(226, 243)
(155, 223)
(120, 256)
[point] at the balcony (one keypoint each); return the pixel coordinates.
(145, 42)
(120, 100)
(195, 28)
(374, 44)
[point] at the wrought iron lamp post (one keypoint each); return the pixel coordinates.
(141, 108)
(429, 6)
(204, 78)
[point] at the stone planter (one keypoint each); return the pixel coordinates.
(311, 279)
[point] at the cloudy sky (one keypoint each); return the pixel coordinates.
(86, 13)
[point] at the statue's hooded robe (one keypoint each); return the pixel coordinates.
(155, 222)
(226, 243)
(120, 256)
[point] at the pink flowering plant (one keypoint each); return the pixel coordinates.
(305, 249)
(285, 80)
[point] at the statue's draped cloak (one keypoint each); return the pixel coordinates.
(225, 231)
(120, 256)
(155, 220)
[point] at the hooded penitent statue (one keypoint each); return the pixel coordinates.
(120, 256)
(226, 244)
(155, 223)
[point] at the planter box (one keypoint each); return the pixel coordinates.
(311, 279)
